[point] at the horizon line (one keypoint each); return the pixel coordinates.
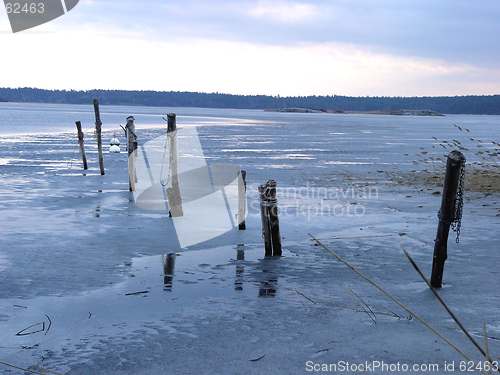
(254, 95)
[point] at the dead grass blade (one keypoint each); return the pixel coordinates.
(362, 304)
(44, 369)
(391, 312)
(305, 308)
(487, 354)
(416, 316)
(368, 236)
(257, 359)
(21, 332)
(444, 305)
(25, 369)
(314, 299)
(50, 324)
(135, 293)
(303, 295)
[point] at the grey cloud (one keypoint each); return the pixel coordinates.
(458, 31)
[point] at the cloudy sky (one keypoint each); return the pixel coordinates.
(304, 47)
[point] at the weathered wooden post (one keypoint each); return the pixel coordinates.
(173, 193)
(98, 125)
(242, 200)
(80, 142)
(274, 224)
(264, 215)
(269, 216)
(449, 213)
(132, 152)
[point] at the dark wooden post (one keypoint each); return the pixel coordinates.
(446, 215)
(264, 214)
(80, 142)
(274, 223)
(132, 152)
(242, 200)
(98, 125)
(269, 216)
(173, 193)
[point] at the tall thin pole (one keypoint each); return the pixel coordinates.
(98, 125)
(242, 200)
(80, 142)
(173, 193)
(132, 152)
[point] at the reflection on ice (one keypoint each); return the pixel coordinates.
(351, 163)
(240, 268)
(168, 270)
(189, 278)
(200, 274)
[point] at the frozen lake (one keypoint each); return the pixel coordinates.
(109, 289)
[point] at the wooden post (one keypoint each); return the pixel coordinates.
(446, 215)
(274, 222)
(80, 142)
(173, 193)
(269, 216)
(264, 214)
(132, 152)
(98, 124)
(242, 200)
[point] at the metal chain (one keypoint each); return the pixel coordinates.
(459, 203)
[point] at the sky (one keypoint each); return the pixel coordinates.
(252, 47)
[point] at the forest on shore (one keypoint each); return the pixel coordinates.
(469, 104)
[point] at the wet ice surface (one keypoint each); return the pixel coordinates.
(121, 296)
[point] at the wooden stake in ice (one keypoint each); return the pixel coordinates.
(242, 200)
(173, 193)
(132, 152)
(446, 215)
(98, 125)
(80, 142)
(264, 214)
(269, 215)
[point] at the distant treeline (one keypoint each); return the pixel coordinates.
(471, 104)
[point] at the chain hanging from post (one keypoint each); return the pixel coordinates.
(459, 203)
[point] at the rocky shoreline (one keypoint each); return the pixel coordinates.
(295, 110)
(394, 112)
(415, 112)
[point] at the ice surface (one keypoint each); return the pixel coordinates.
(4, 262)
(123, 297)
